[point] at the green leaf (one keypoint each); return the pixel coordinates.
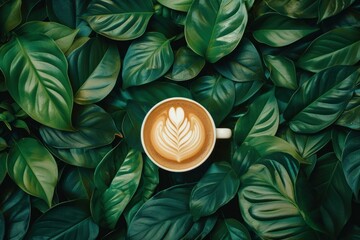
(339, 46)
(33, 168)
(261, 119)
(216, 94)
(121, 169)
(15, 205)
(351, 162)
(327, 94)
(282, 71)
(243, 157)
(3, 168)
(119, 19)
(35, 70)
(214, 28)
(268, 203)
(217, 187)
(187, 65)
(3, 144)
(181, 5)
(230, 228)
(295, 8)
(68, 220)
(245, 90)
(62, 35)
(276, 30)
(243, 64)
(94, 128)
(351, 116)
(338, 138)
(332, 190)
(10, 15)
(147, 59)
(328, 8)
(93, 70)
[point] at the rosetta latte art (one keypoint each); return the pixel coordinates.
(177, 137)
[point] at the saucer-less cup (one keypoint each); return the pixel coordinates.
(178, 134)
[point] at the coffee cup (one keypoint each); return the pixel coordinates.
(179, 134)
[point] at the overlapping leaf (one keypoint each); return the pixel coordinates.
(77, 183)
(10, 15)
(328, 8)
(230, 229)
(182, 5)
(282, 71)
(295, 8)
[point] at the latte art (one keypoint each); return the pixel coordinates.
(178, 136)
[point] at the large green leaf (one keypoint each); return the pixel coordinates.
(3, 168)
(276, 30)
(243, 157)
(243, 64)
(339, 46)
(94, 128)
(261, 119)
(182, 5)
(327, 94)
(245, 90)
(33, 168)
(217, 187)
(10, 15)
(351, 116)
(216, 94)
(119, 19)
(68, 220)
(62, 35)
(93, 70)
(213, 28)
(332, 190)
(295, 8)
(338, 138)
(121, 169)
(36, 77)
(328, 8)
(230, 229)
(147, 59)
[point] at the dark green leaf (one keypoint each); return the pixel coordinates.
(243, 157)
(217, 187)
(230, 229)
(338, 138)
(327, 94)
(245, 90)
(282, 71)
(3, 168)
(147, 59)
(295, 8)
(351, 233)
(216, 94)
(336, 47)
(68, 220)
(328, 8)
(276, 30)
(3, 144)
(119, 19)
(243, 64)
(10, 15)
(2, 226)
(180, 5)
(351, 116)
(33, 168)
(213, 28)
(35, 70)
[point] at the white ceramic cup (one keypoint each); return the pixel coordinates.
(219, 133)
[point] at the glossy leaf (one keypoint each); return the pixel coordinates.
(295, 8)
(243, 64)
(216, 94)
(332, 190)
(338, 138)
(217, 187)
(214, 28)
(327, 94)
(94, 128)
(276, 30)
(261, 119)
(147, 59)
(328, 8)
(118, 19)
(35, 70)
(351, 116)
(68, 220)
(182, 5)
(282, 71)
(3, 168)
(230, 228)
(93, 70)
(10, 15)
(33, 168)
(245, 90)
(242, 158)
(339, 46)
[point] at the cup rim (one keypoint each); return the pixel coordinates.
(212, 124)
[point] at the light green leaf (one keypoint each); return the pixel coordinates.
(35, 70)
(213, 28)
(33, 168)
(119, 19)
(295, 8)
(328, 8)
(351, 116)
(180, 5)
(147, 59)
(10, 15)
(231, 229)
(282, 71)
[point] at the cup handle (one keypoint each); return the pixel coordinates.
(223, 133)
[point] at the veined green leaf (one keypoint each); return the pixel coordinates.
(245, 90)
(338, 138)
(230, 228)
(282, 71)
(351, 116)
(10, 15)
(180, 5)
(35, 70)
(295, 8)
(213, 28)
(243, 157)
(328, 8)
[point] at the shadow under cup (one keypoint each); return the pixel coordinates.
(178, 134)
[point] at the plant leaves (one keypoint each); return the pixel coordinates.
(3, 168)
(295, 8)
(327, 94)
(68, 220)
(217, 187)
(216, 94)
(119, 19)
(339, 46)
(338, 138)
(181, 5)
(328, 8)
(276, 30)
(214, 28)
(10, 15)
(261, 119)
(33, 168)
(35, 70)
(147, 59)
(93, 70)
(245, 90)
(230, 228)
(351, 116)
(243, 157)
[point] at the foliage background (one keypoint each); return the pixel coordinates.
(77, 78)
